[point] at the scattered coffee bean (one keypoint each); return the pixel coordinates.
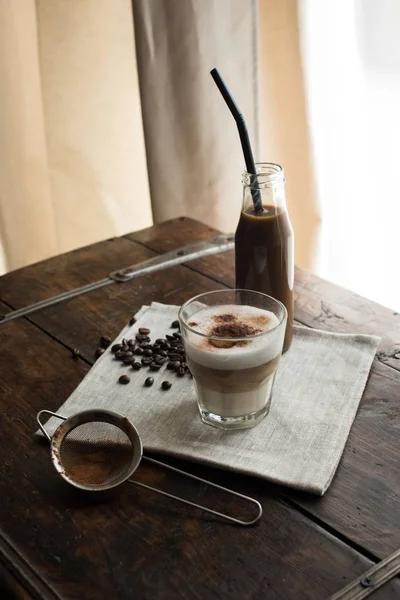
(155, 367)
(177, 335)
(177, 364)
(132, 321)
(166, 385)
(144, 331)
(142, 338)
(170, 338)
(127, 354)
(116, 347)
(146, 361)
(129, 360)
(99, 352)
(180, 372)
(124, 342)
(180, 253)
(131, 343)
(144, 345)
(148, 352)
(139, 351)
(170, 365)
(124, 379)
(148, 381)
(76, 352)
(160, 341)
(120, 354)
(162, 353)
(105, 341)
(174, 356)
(136, 366)
(175, 324)
(159, 360)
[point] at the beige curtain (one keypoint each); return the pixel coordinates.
(72, 160)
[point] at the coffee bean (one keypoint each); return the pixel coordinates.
(174, 356)
(162, 353)
(166, 385)
(116, 347)
(177, 335)
(170, 338)
(146, 361)
(120, 354)
(105, 341)
(127, 354)
(124, 342)
(99, 352)
(148, 352)
(142, 338)
(148, 381)
(131, 343)
(144, 345)
(170, 365)
(136, 366)
(175, 324)
(165, 346)
(155, 367)
(139, 351)
(129, 360)
(124, 379)
(132, 321)
(180, 372)
(160, 341)
(144, 331)
(76, 352)
(177, 364)
(159, 360)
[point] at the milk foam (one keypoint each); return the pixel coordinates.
(257, 351)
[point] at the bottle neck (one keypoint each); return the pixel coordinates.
(270, 184)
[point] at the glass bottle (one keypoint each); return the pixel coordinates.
(264, 240)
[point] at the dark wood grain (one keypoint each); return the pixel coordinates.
(84, 545)
(132, 543)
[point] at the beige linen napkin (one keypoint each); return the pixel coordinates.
(299, 444)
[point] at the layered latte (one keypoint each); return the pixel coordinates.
(233, 352)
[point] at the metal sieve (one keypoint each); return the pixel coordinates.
(96, 450)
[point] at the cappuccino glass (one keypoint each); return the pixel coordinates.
(233, 341)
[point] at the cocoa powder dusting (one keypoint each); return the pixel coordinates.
(95, 470)
(225, 318)
(233, 329)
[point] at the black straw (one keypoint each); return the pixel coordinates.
(243, 133)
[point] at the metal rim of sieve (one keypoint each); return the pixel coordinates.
(106, 416)
(91, 416)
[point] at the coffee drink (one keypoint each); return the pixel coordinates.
(233, 352)
(264, 241)
(264, 257)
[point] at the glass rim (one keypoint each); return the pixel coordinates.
(235, 339)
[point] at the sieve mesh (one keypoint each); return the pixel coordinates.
(96, 453)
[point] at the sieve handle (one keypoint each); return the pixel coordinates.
(201, 507)
(39, 422)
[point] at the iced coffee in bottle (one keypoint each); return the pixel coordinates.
(264, 243)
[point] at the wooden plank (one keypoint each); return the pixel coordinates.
(318, 303)
(134, 544)
(80, 323)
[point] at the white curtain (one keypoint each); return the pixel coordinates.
(351, 63)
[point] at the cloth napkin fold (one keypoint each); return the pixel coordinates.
(316, 394)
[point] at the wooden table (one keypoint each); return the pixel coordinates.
(56, 543)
